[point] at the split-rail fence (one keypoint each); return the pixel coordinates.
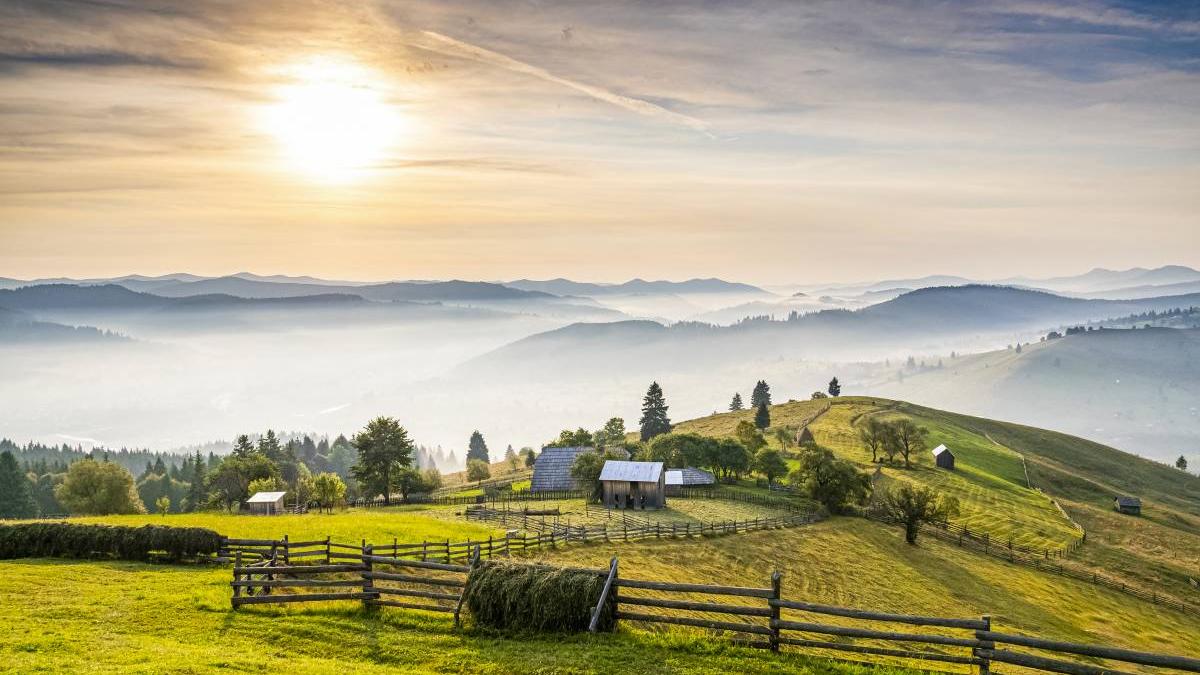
(414, 576)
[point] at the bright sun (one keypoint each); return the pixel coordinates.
(332, 119)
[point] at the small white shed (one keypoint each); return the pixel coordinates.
(266, 503)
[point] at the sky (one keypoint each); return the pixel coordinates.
(770, 142)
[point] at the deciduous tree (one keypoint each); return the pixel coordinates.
(98, 489)
(872, 435)
(913, 506)
(835, 483)
(771, 464)
(477, 470)
(383, 449)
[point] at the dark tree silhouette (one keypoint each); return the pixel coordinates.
(654, 413)
(835, 389)
(762, 416)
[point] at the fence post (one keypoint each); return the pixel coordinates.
(463, 596)
(776, 594)
(368, 585)
(237, 590)
(287, 551)
(594, 624)
(985, 664)
(328, 557)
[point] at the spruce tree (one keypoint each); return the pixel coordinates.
(477, 448)
(761, 394)
(762, 416)
(1181, 463)
(835, 389)
(16, 497)
(242, 447)
(736, 403)
(198, 492)
(654, 420)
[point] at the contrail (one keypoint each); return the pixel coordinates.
(460, 48)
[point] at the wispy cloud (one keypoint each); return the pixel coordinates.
(448, 45)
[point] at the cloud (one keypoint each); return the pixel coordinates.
(92, 59)
(448, 45)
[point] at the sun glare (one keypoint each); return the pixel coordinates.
(332, 119)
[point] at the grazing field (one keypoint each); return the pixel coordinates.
(136, 618)
(855, 563)
(679, 511)
(989, 479)
(377, 525)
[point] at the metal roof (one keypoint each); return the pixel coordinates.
(552, 470)
(1129, 501)
(634, 472)
(940, 449)
(689, 476)
(262, 497)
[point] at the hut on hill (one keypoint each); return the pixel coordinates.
(266, 503)
(943, 457)
(633, 485)
(678, 479)
(1128, 505)
(552, 469)
(804, 436)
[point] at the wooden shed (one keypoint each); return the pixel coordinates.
(266, 503)
(805, 436)
(1129, 505)
(552, 469)
(943, 457)
(633, 485)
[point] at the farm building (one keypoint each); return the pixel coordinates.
(677, 479)
(552, 470)
(633, 485)
(804, 436)
(266, 503)
(1129, 505)
(943, 457)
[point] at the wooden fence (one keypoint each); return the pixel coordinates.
(389, 576)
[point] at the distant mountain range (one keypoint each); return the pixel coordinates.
(635, 286)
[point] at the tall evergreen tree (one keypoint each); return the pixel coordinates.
(16, 497)
(198, 492)
(736, 403)
(835, 389)
(1181, 463)
(384, 448)
(269, 446)
(761, 394)
(242, 447)
(654, 413)
(477, 448)
(762, 416)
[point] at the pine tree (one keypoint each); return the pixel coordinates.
(477, 448)
(736, 404)
(654, 420)
(835, 389)
(1181, 463)
(761, 394)
(762, 416)
(242, 447)
(16, 497)
(198, 492)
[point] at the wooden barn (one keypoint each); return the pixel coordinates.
(266, 503)
(1128, 505)
(687, 477)
(804, 436)
(633, 485)
(552, 469)
(943, 457)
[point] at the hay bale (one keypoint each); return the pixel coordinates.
(519, 597)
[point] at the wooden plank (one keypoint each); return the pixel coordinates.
(695, 588)
(251, 542)
(413, 593)
(305, 544)
(307, 597)
(417, 563)
(1127, 655)
(389, 576)
(298, 569)
(972, 624)
(1042, 663)
(594, 624)
(410, 605)
(714, 607)
(877, 634)
(881, 651)
(699, 623)
(295, 583)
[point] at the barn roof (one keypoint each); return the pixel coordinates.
(265, 497)
(940, 449)
(1122, 500)
(634, 472)
(552, 470)
(689, 476)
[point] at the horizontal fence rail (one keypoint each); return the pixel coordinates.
(427, 577)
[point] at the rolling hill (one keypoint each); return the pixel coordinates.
(1135, 389)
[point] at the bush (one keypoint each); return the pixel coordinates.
(535, 597)
(70, 540)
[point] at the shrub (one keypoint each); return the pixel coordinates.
(535, 597)
(72, 540)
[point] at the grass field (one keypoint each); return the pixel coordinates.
(691, 510)
(111, 617)
(989, 480)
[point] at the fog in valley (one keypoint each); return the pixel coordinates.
(168, 363)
